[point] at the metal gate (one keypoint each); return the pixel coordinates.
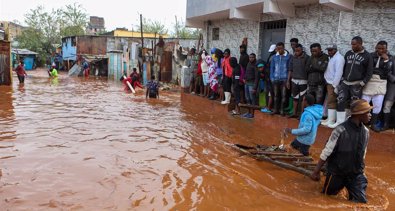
(271, 33)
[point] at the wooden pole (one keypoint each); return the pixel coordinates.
(141, 32)
(278, 163)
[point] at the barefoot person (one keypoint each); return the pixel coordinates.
(344, 154)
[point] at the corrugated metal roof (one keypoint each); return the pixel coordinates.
(23, 51)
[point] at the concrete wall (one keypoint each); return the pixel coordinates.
(373, 20)
(231, 34)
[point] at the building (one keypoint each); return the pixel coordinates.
(124, 32)
(266, 22)
(107, 55)
(5, 64)
(95, 26)
(14, 29)
(28, 57)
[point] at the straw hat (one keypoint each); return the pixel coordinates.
(360, 107)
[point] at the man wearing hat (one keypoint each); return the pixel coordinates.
(344, 154)
(333, 75)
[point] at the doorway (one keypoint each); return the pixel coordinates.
(271, 32)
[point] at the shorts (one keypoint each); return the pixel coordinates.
(205, 79)
(303, 148)
(298, 90)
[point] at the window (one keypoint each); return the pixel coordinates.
(281, 24)
(215, 34)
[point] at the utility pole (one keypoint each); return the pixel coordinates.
(141, 30)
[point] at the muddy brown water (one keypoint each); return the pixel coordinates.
(84, 144)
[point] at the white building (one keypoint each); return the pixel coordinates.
(265, 22)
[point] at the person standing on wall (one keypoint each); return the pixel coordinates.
(21, 73)
(294, 43)
(251, 79)
(358, 70)
(243, 61)
(315, 73)
(227, 69)
(297, 78)
(376, 88)
(332, 76)
(390, 96)
(268, 82)
(279, 75)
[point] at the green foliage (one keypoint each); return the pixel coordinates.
(152, 26)
(47, 28)
(180, 31)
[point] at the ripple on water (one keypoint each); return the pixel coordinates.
(87, 145)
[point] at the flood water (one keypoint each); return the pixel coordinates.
(85, 144)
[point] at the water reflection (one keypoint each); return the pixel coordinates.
(7, 115)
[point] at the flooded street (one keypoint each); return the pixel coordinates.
(85, 144)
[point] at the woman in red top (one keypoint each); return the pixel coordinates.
(20, 71)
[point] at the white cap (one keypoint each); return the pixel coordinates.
(272, 48)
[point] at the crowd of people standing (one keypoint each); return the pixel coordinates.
(285, 77)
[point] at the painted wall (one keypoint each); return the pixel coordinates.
(69, 49)
(114, 65)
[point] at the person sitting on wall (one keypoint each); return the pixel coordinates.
(345, 153)
(152, 88)
(308, 126)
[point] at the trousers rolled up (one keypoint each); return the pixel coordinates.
(318, 92)
(347, 93)
(249, 94)
(331, 97)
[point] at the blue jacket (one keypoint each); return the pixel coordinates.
(279, 67)
(308, 124)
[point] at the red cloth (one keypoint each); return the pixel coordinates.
(128, 79)
(137, 84)
(20, 70)
(199, 69)
(227, 68)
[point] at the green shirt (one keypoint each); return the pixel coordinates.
(54, 73)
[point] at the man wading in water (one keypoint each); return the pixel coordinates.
(152, 88)
(345, 154)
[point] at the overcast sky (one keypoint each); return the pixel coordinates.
(116, 13)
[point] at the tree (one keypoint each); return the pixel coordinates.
(151, 26)
(180, 31)
(47, 28)
(73, 20)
